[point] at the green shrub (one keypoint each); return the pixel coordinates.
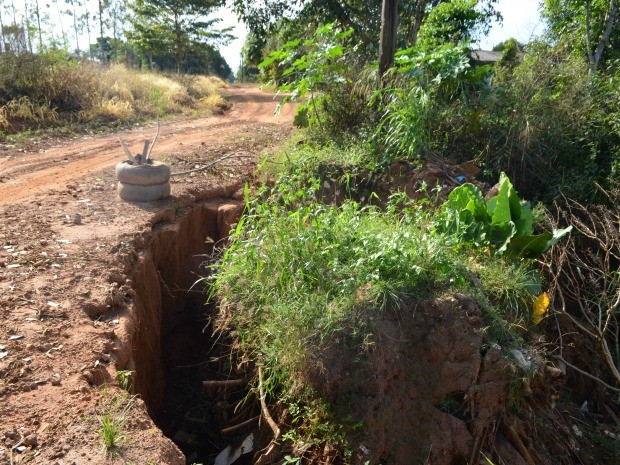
(424, 83)
(300, 275)
(544, 122)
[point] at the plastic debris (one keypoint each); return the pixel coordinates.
(226, 457)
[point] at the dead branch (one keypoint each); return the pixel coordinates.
(272, 424)
(224, 383)
(586, 374)
(148, 154)
(263, 405)
(125, 149)
(213, 163)
(515, 440)
(585, 281)
(610, 20)
(231, 429)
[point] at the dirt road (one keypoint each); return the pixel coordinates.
(82, 273)
(26, 174)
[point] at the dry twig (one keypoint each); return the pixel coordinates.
(213, 163)
(585, 280)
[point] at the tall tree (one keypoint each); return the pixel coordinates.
(176, 24)
(362, 15)
(85, 24)
(389, 29)
(588, 26)
(2, 47)
(76, 22)
(64, 40)
(456, 22)
(40, 31)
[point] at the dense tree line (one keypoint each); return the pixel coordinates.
(175, 35)
(272, 23)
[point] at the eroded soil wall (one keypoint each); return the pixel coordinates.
(165, 272)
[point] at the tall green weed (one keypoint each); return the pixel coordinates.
(544, 122)
(300, 275)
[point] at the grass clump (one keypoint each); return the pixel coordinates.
(300, 276)
(111, 419)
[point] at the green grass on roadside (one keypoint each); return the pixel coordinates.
(111, 419)
(301, 275)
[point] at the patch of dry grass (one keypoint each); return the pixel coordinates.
(24, 109)
(108, 109)
(90, 93)
(214, 103)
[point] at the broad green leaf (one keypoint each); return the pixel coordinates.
(505, 206)
(301, 117)
(291, 44)
(530, 246)
(524, 224)
(288, 71)
(323, 29)
(345, 34)
(535, 246)
(336, 51)
(405, 51)
(468, 197)
(501, 234)
(266, 62)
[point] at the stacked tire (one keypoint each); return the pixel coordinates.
(143, 183)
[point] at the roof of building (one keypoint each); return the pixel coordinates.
(485, 56)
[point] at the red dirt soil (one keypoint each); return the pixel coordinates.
(79, 272)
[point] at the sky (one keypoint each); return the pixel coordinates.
(521, 21)
(232, 52)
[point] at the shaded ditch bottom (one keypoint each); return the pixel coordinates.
(173, 349)
(192, 415)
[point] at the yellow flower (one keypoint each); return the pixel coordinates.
(541, 304)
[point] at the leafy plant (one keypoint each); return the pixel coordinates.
(123, 378)
(308, 75)
(503, 223)
(422, 83)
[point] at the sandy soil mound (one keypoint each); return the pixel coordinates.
(430, 390)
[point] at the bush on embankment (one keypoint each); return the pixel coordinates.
(39, 91)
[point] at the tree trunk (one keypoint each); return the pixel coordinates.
(75, 28)
(38, 13)
(179, 46)
(612, 14)
(90, 46)
(389, 27)
(102, 42)
(2, 49)
(26, 26)
(62, 29)
(417, 23)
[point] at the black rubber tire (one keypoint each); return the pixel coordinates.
(137, 193)
(142, 175)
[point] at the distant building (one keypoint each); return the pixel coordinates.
(489, 57)
(484, 57)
